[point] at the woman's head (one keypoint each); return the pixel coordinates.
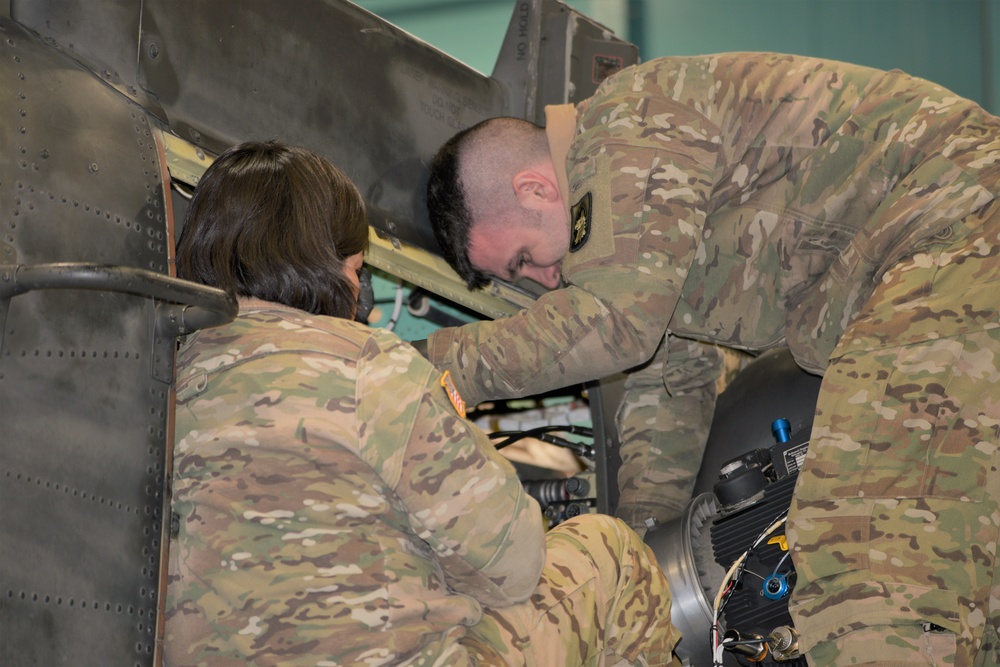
(278, 223)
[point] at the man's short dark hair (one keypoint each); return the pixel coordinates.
(449, 211)
(277, 223)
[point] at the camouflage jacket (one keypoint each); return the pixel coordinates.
(750, 200)
(333, 507)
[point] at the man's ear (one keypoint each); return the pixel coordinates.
(533, 188)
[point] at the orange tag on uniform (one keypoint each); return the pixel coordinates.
(453, 396)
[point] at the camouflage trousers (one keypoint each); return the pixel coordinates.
(601, 600)
(895, 520)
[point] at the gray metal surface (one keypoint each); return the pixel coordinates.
(683, 549)
(553, 54)
(320, 73)
(328, 75)
(84, 424)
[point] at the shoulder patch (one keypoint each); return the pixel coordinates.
(453, 395)
(580, 220)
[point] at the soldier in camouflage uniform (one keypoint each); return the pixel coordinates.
(755, 201)
(333, 506)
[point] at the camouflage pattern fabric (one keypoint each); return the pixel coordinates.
(750, 200)
(619, 578)
(334, 509)
(897, 509)
(657, 474)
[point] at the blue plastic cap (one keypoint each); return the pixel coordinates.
(781, 429)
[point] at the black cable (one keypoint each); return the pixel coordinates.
(741, 570)
(510, 437)
(579, 448)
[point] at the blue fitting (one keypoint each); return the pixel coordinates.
(775, 587)
(781, 429)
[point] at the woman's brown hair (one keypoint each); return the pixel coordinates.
(275, 222)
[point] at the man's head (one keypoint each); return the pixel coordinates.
(495, 204)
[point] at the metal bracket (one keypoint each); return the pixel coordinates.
(181, 306)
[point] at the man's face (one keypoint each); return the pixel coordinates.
(531, 249)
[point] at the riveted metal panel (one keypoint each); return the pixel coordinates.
(83, 423)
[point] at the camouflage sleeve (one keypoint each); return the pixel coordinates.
(663, 422)
(567, 336)
(462, 498)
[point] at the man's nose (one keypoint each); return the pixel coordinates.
(548, 276)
